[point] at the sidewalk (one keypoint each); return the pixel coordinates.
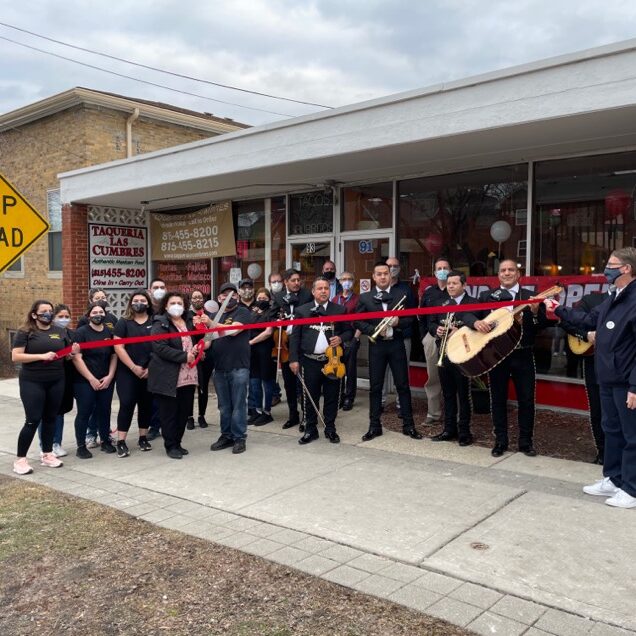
(500, 546)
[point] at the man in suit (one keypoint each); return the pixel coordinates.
(329, 274)
(308, 346)
(387, 351)
(284, 306)
(455, 385)
(519, 365)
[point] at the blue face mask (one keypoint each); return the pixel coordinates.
(612, 273)
(441, 274)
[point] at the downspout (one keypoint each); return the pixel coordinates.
(129, 123)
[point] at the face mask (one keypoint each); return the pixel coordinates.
(139, 308)
(197, 304)
(62, 322)
(45, 317)
(395, 271)
(612, 273)
(246, 294)
(329, 275)
(277, 287)
(102, 303)
(232, 304)
(175, 310)
(441, 274)
(158, 294)
(262, 304)
(347, 285)
(97, 320)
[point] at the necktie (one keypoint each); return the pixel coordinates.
(506, 295)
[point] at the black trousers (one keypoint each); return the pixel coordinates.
(291, 392)
(350, 360)
(594, 401)
(132, 392)
(519, 366)
(392, 354)
(319, 384)
(455, 388)
(174, 413)
(205, 373)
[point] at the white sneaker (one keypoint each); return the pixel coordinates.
(91, 441)
(50, 460)
(21, 466)
(621, 500)
(603, 488)
(58, 451)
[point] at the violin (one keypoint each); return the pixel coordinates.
(280, 351)
(334, 368)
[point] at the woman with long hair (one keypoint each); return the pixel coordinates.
(132, 371)
(41, 381)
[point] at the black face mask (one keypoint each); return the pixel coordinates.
(97, 320)
(329, 275)
(102, 303)
(45, 317)
(232, 304)
(197, 304)
(139, 308)
(262, 304)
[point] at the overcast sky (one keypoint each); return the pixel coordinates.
(332, 52)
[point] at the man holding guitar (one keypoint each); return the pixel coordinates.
(519, 365)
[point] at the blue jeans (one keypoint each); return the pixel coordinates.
(94, 405)
(57, 434)
(256, 394)
(231, 394)
(619, 425)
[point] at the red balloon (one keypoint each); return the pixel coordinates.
(433, 244)
(617, 203)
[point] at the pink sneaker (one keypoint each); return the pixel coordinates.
(21, 466)
(50, 460)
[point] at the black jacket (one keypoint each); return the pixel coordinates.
(460, 318)
(371, 301)
(531, 324)
(433, 296)
(614, 321)
(167, 356)
(303, 337)
(586, 304)
(283, 300)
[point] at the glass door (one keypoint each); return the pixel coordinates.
(308, 255)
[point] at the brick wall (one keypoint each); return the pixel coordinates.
(75, 258)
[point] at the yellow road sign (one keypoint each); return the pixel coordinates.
(21, 224)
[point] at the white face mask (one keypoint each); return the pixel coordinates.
(347, 285)
(277, 287)
(175, 310)
(395, 271)
(158, 293)
(62, 322)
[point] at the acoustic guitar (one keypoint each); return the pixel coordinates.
(476, 353)
(580, 347)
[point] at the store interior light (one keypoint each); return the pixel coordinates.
(559, 267)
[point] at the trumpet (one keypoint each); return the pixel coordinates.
(384, 323)
(449, 323)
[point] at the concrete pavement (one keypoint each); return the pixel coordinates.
(501, 546)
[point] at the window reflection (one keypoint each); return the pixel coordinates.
(367, 207)
(311, 212)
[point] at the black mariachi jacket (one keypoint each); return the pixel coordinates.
(372, 301)
(283, 300)
(461, 318)
(531, 324)
(614, 321)
(303, 337)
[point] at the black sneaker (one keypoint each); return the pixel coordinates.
(190, 423)
(238, 447)
(174, 453)
(221, 443)
(122, 449)
(144, 444)
(202, 422)
(83, 453)
(107, 447)
(264, 418)
(153, 434)
(253, 416)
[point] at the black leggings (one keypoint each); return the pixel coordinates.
(41, 401)
(205, 373)
(132, 392)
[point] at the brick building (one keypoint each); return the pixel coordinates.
(70, 131)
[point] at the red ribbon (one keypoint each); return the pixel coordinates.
(418, 311)
(199, 346)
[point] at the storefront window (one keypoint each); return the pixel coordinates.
(367, 207)
(278, 234)
(249, 230)
(311, 212)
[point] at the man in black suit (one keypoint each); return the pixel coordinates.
(519, 365)
(455, 385)
(387, 350)
(284, 306)
(308, 346)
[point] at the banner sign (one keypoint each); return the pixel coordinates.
(118, 256)
(206, 233)
(186, 276)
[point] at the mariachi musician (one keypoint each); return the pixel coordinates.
(519, 365)
(312, 349)
(586, 304)
(284, 306)
(386, 348)
(455, 385)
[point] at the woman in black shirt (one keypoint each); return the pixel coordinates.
(41, 381)
(93, 387)
(132, 371)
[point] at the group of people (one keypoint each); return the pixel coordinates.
(318, 361)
